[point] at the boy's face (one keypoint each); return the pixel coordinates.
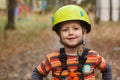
(71, 33)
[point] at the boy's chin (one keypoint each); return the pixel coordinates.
(72, 45)
(75, 45)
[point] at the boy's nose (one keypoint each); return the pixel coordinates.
(71, 31)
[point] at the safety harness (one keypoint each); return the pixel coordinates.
(82, 59)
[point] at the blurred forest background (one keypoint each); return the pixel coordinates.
(26, 35)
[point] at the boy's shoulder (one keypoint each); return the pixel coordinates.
(53, 54)
(93, 52)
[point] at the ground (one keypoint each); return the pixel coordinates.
(19, 55)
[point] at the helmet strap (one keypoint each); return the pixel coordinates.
(83, 40)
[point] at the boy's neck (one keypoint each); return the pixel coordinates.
(72, 50)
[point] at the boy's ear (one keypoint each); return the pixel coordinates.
(84, 35)
(84, 38)
(84, 31)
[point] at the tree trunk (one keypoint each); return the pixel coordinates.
(119, 10)
(10, 7)
(97, 12)
(110, 10)
(56, 3)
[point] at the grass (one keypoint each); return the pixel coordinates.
(3, 21)
(31, 28)
(26, 28)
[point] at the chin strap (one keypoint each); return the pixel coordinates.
(83, 40)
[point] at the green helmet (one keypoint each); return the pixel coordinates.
(71, 12)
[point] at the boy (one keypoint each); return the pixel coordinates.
(73, 62)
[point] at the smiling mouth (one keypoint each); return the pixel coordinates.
(71, 38)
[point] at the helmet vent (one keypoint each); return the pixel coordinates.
(82, 13)
(52, 19)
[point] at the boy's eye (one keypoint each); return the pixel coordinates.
(76, 28)
(64, 29)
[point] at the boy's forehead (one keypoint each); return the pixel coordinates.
(70, 22)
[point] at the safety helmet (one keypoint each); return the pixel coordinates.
(71, 12)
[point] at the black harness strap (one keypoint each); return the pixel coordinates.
(63, 60)
(82, 60)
